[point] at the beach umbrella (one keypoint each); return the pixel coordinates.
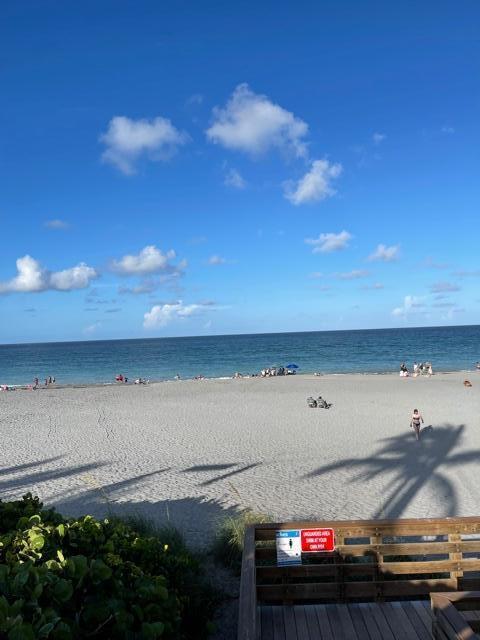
(292, 366)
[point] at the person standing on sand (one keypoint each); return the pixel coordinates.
(415, 422)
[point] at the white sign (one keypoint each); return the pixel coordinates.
(289, 547)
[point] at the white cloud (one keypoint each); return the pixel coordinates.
(92, 328)
(449, 130)
(444, 287)
(385, 254)
(216, 260)
(254, 124)
(411, 304)
(315, 184)
(234, 179)
(78, 277)
(378, 138)
(127, 140)
(194, 99)
(56, 224)
(328, 242)
(149, 260)
(316, 274)
(162, 314)
(32, 277)
(352, 275)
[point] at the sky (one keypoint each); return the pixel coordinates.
(190, 168)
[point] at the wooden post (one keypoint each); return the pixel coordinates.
(457, 556)
(339, 573)
(377, 539)
(247, 614)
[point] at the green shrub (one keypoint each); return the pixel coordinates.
(228, 545)
(65, 579)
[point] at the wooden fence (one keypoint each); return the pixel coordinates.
(373, 560)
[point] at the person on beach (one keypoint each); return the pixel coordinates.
(417, 418)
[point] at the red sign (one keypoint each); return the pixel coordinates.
(314, 540)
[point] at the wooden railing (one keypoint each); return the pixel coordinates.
(449, 623)
(373, 560)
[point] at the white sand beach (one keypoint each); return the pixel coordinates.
(192, 451)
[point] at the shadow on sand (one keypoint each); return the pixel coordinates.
(196, 517)
(413, 465)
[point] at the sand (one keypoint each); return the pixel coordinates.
(190, 452)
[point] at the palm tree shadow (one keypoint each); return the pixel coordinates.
(414, 465)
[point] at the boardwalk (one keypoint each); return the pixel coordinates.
(408, 620)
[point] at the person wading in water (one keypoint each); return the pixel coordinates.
(415, 422)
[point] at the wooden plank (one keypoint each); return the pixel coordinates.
(323, 623)
(278, 624)
(289, 622)
(411, 621)
(380, 620)
(247, 608)
(266, 622)
(359, 624)
(359, 528)
(353, 590)
(312, 622)
(370, 624)
(279, 592)
(303, 632)
(423, 612)
(352, 569)
(335, 623)
(392, 621)
(408, 548)
(345, 620)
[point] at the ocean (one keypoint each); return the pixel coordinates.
(362, 351)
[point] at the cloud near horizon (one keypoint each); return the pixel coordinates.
(252, 123)
(33, 278)
(315, 185)
(162, 314)
(328, 242)
(128, 140)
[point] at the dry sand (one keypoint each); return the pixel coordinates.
(192, 451)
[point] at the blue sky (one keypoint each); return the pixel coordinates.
(201, 168)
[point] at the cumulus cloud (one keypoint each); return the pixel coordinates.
(328, 242)
(162, 314)
(150, 260)
(378, 138)
(56, 223)
(32, 277)
(352, 275)
(315, 184)
(411, 304)
(385, 254)
(128, 140)
(234, 179)
(444, 287)
(252, 123)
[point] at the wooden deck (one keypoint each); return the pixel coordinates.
(407, 620)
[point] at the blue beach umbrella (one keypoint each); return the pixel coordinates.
(292, 366)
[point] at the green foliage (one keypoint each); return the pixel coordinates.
(228, 546)
(64, 579)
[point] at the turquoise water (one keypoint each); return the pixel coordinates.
(366, 351)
